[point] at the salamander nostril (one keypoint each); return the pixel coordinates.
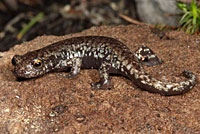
(13, 61)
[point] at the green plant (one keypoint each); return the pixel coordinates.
(30, 25)
(190, 21)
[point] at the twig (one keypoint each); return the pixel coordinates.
(9, 25)
(141, 23)
(134, 21)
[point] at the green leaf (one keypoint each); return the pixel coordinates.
(182, 6)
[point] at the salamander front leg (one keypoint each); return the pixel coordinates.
(105, 79)
(76, 66)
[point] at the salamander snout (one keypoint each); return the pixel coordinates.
(15, 59)
(29, 66)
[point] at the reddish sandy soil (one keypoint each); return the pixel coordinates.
(53, 104)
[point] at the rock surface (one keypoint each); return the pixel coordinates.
(53, 104)
(161, 12)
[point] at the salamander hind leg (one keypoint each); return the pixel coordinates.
(75, 70)
(104, 83)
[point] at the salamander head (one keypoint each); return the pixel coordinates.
(29, 66)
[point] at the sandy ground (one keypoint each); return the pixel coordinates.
(53, 104)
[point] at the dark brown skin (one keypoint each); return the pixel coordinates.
(106, 54)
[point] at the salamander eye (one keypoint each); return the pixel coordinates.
(145, 59)
(37, 63)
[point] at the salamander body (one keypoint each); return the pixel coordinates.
(104, 53)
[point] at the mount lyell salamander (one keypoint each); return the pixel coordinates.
(108, 55)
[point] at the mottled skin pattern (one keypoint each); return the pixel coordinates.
(146, 56)
(103, 53)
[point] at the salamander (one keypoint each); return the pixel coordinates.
(106, 54)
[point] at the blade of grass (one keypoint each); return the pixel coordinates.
(30, 24)
(190, 21)
(185, 17)
(183, 6)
